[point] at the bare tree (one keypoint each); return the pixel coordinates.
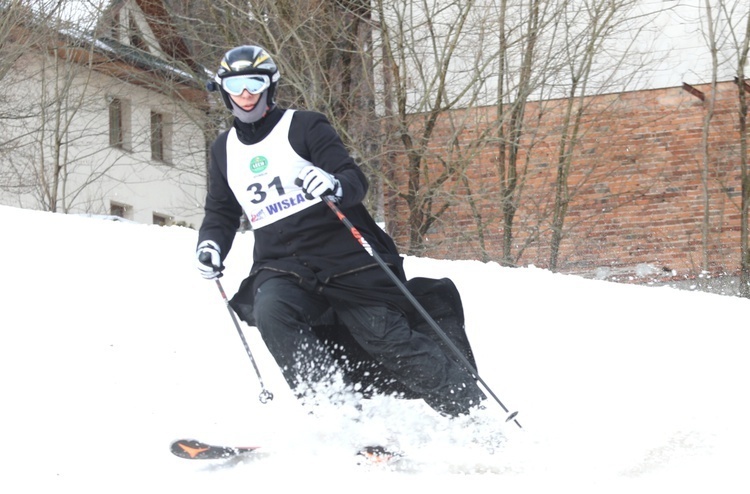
(742, 43)
(35, 127)
(588, 33)
(19, 27)
(706, 132)
(552, 54)
(321, 48)
(324, 55)
(515, 87)
(436, 57)
(727, 34)
(57, 95)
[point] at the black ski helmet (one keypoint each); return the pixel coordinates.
(244, 60)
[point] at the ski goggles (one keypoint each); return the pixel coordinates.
(254, 83)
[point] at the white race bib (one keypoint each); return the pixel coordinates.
(262, 175)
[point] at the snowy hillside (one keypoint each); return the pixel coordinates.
(112, 346)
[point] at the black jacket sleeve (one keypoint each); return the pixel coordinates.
(222, 211)
(313, 137)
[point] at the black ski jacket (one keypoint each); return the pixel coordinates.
(312, 246)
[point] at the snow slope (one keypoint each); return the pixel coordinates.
(112, 345)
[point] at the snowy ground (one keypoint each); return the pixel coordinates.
(112, 346)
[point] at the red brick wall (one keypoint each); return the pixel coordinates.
(637, 194)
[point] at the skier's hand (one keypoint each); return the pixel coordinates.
(316, 182)
(208, 257)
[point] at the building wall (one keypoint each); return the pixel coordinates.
(637, 199)
(42, 129)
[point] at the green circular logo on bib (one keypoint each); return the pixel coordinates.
(258, 164)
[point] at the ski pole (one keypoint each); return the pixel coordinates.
(467, 365)
(265, 395)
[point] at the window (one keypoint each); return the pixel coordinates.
(134, 35)
(121, 210)
(115, 123)
(161, 219)
(119, 127)
(157, 136)
(160, 137)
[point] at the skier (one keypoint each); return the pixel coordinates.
(318, 299)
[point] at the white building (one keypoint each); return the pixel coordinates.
(105, 122)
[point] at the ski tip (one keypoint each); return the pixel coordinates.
(378, 455)
(191, 449)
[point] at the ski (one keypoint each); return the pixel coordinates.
(190, 449)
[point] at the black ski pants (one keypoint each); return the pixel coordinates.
(285, 313)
